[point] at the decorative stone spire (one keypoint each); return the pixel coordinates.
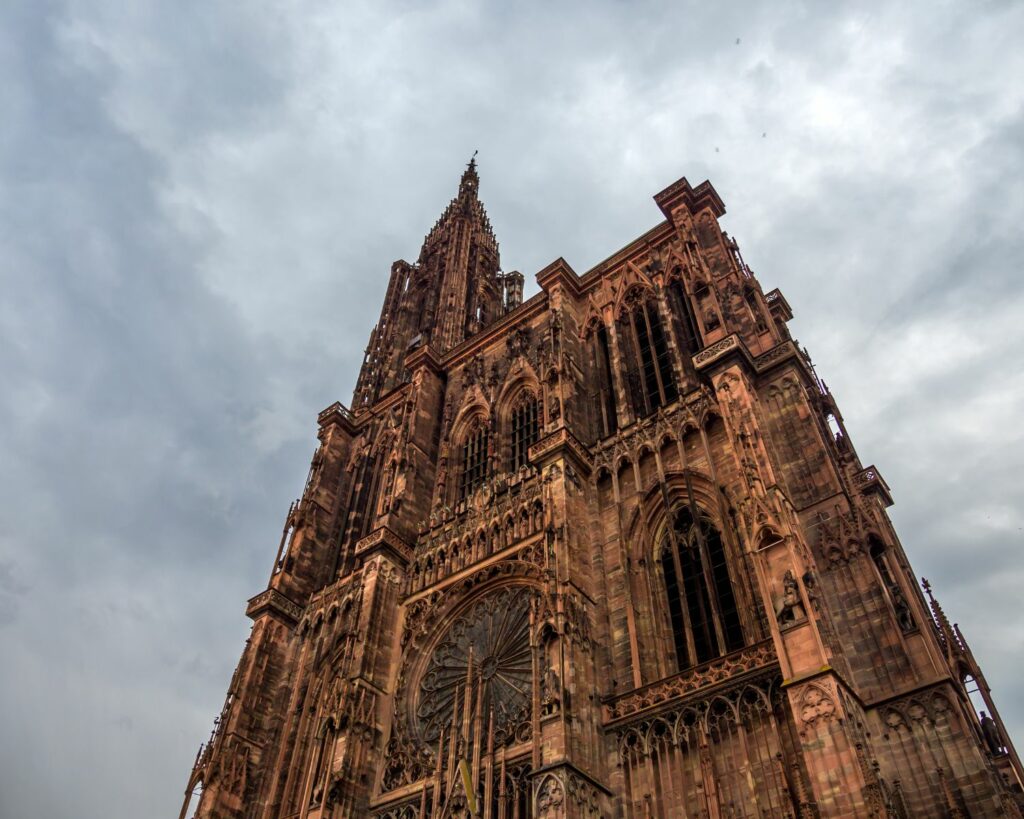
(947, 634)
(453, 291)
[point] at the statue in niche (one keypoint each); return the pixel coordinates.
(711, 320)
(790, 608)
(551, 698)
(902, 610)
(993, 737)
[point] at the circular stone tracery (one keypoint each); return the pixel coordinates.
(495, 633)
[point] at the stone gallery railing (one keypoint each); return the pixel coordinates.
(730, 668)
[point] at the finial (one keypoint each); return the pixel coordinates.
(469, 182)
(947, 633)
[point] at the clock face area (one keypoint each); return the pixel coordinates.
(488, 647)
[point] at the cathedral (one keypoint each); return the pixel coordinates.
(605, 552)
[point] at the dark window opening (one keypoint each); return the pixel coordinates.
(474, 460)
(702, 609)
(647, 368)
(675, 607)
(699, 605)
(525, 430)
(730, 617)
(878, 556)
(900, 607)
(651, 379)
(606, 397)
(687, 324)
(662, 357)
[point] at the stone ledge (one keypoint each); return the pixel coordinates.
(272, 600)
(694, 681)
(386, 542)
(561, 442)
(870, 481)
(337, 413)
(729, 348)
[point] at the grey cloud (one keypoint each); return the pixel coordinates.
(199, 204)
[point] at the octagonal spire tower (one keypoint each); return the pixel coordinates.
(453, 290)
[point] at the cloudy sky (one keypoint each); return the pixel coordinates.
(199, 204)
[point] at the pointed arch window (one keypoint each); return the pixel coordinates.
(899, 603)
(686, 320)
(604, 393)
(702, 608)
(474, 458)
(525, 429)
(651, 379)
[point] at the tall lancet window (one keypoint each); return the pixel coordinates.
(601, 360)
(686, 324)
(652, 382)
(525, 429)
(702, 609)
(474, 458)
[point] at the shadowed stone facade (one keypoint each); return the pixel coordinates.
(608, 552)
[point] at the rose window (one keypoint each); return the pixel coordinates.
(494, 637)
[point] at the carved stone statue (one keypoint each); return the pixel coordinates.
(993, 737)
(551, 698)
(790, 608)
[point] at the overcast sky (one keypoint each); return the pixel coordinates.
(199, 204)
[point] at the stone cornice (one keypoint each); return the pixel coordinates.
(276, 603)
(695, 199)
(563, 443)
(557, 272)
(386, 542)
(654, 236)
(730, 350)
(777, 355)
(777, 304)
(423, 356)
(383, 404)
(566, 765)
(336, 414)
(870, 481)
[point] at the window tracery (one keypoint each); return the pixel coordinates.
(686, 322)
(649, 372)
(474, 458)
(604, 394)
(702, 609)
(525, 429)
(488, 647)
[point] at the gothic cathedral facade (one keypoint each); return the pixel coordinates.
(605, 552)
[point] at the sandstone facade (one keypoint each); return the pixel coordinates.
(608, 552)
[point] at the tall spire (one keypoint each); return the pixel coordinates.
(470, 183)
(452, 291)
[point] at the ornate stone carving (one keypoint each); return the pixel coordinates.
(716, 351)
(726, 669)
(550, 797)
(489, 645)
(273, 600)
(816, 704)
(790, 608)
